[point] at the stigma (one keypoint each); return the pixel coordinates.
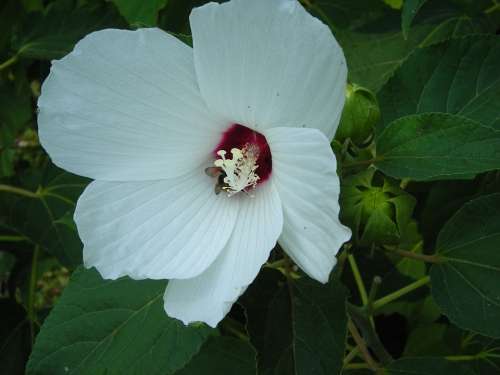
(239, 172)
(242, 161)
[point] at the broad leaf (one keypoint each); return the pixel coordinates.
(113, 327)
(11, 13)
(46, 220)
(268, 310)
(437, 146)
(15, 340)
(140, 12)
(460, 76)
(373, 57)
(53, 34)
(410, 10)
(427, 366)
(427, 339)
(351, 14)
(466, 285)
(222, 355)
(319, 322)
(306, 337)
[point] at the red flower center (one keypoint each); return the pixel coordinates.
(239, 136)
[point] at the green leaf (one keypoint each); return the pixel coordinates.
(449, 196)
(11, 13)
(113, 327)
(460, 76)
(15, 113)
(305, 336)
(486, 352)
(359, 116)
(52, 34)
(375, 208)
(465, 285)
(319, 325)
(427, 366)
(140, 12)
(437, 146)
(15, 340)
(46, 220)
(269, 320)
(222, 355)
(410, 10)
(350, 14)
(427, 339)
(373, 57)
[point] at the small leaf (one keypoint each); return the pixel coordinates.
(465, 285)
(222, 355)
(140, 12)
(113, 327)
(436, 146)
(375, 208)
(410, 10)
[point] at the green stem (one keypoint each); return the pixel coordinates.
(356, 366)
(13, 239)
(8, 62)
(19, 191)
(493, 8)
(369, 334)
(461, 357)
(472, 357)
(401, 292)
(359, 283)
(341, 259)
(361, 345)
(351, 355)
(377, 281)
(416, 256)
(277, 264)
(235, 328)
(358, 279)
(359, 163)
(31, 293)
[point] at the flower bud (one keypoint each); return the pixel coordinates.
(360, 115)
(375, 208)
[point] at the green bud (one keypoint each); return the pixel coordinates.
(375, 208)
(360, 115)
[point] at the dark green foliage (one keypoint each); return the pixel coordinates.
(418, 154)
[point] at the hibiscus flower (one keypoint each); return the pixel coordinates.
(203, 158)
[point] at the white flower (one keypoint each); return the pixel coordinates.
(161, 127)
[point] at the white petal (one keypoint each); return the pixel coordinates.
(267, 63)
(162, 229)
(125, 105)
(304, 171)
(209, 297)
